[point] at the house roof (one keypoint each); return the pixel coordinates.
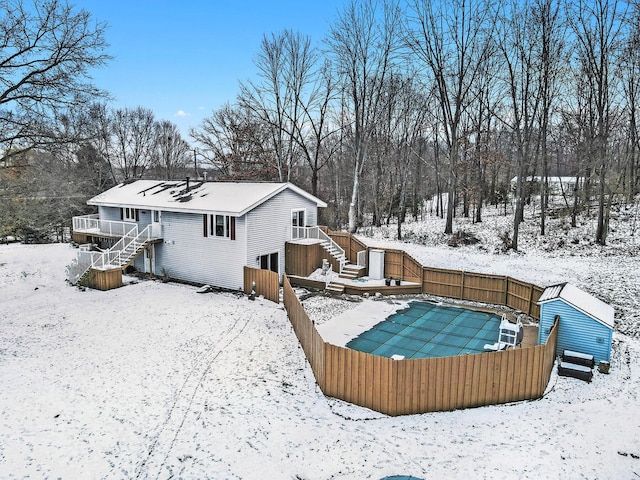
(551, 179)
(233, 198)
(580, 300)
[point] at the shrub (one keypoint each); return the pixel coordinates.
(462, 237)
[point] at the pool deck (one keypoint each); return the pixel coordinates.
(358, 287)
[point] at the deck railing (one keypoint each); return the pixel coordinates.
(317, 233)
(93, 224)
(117, 256)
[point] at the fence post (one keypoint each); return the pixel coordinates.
(530, 299)
(506, 291)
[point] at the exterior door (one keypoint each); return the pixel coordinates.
(156, 223)
(149, 259)
(297, 224)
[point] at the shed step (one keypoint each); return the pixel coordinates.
(581, 372)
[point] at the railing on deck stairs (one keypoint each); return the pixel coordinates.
(316, 232)
(117, 256)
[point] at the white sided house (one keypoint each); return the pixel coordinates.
(199, 232)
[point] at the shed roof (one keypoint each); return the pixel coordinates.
(580, 300)
(234, 198)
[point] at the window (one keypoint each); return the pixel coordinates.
(297, 218)
(269, 262)
(297, 224)
(220, 230)
(223, 226)
(131, 214)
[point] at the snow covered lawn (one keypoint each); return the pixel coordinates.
(154, 380)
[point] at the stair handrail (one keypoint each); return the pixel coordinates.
(116, 256)
(329, 276)
(317, 232)
(114, 253)
(362, 258)
(85, 260)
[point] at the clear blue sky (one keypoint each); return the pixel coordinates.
(184, 59)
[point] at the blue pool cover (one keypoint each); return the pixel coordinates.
(428, 330)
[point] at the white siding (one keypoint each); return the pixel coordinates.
(269, 225)
(109, 213)
(186, 254)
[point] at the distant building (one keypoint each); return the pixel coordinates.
(557, 185)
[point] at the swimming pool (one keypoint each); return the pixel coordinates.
(428, 330)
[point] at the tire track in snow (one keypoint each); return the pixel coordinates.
(185, 397)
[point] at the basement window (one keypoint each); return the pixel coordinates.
(269, 262)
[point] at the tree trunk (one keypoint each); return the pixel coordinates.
(601, 231)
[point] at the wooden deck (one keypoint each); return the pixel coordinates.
(354, 287)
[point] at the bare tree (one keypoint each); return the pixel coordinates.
(598, 28)
(173, 152)
(517, 46)
(552, 55)
(236, 143)
(312, 129)
(364, 43)
(134, 141)
(631, 84)
(411, 115)
(285, 62)
(453, 42)
(47, 49)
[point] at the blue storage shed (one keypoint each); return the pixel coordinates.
(586, 323)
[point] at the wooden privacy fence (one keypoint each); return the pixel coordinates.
(458, 284)
(398, 387)
(350, 244)
(104, 279)
(267, 283)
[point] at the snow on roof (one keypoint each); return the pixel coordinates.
(235, 198)
(553, 179)
(581, 300)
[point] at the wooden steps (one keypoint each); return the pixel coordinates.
(351, 271)
(334, 288)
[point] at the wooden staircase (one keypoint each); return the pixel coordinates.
(334, 288)
(351, 271)
(334, 250)
(130, 253)
(121, 255)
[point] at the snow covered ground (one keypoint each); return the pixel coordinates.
(155, 380)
